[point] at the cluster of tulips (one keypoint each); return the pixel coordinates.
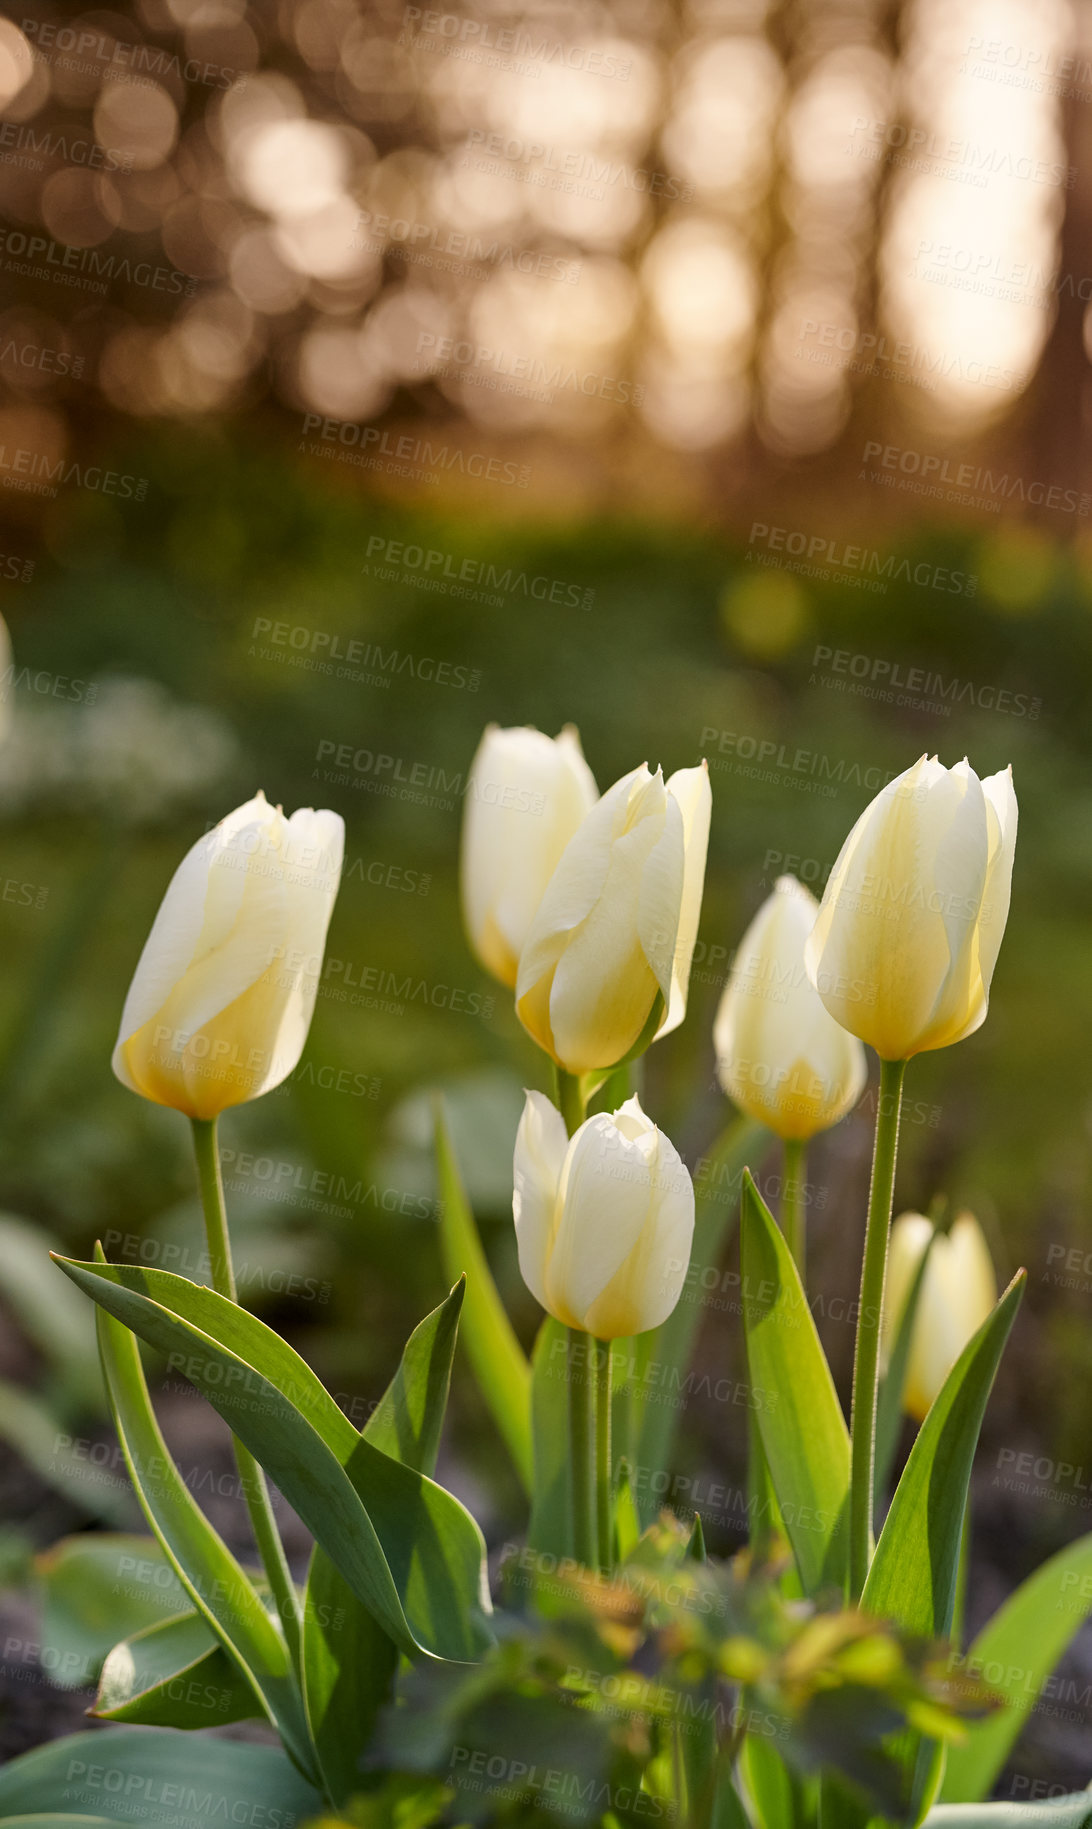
(587, 907)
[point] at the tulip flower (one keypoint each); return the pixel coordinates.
(957, 1293)
(780, 1055)
(526, 796)
(910, 926)
(606, 963)
(223, 993)
(604, 1220)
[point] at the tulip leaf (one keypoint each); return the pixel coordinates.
(551, 1508)
(799, 1417)
(96, 1587)
(174, 1674)
(409, 1550)
(1014, 1654)
(123, 1774)
(409, 1417)
(217, 1585)
(1073, 1812)
(912, 1579)
(499, 1362)
(349, 1661)
(670, 1346)
(893, 1384)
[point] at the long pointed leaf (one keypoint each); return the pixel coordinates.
(800, 1419)
(409, 1550)
(913, 1575)
(349, 1661)
(914, 1571)
(217, 1585)
(499, 1362)
(1016, 1651)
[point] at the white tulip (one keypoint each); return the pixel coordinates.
(223, 993)
(780, 1055)
(526, 796)
(958, 1292)
(604, 1219)
(606, 963)
(910, 925)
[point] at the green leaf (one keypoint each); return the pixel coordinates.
(893, 1384)
(95, 1589)
(1073, 1812)
(671, 1345)
(126, 1774)
(217, 1585)
(174, 1674)
(408, 1549)
(349, 1661)
(409, 1417)
(548, 1530)
(912, 1579)
(1015, 1653)
(499, 1362)
(768, 1783)
(799, 1417)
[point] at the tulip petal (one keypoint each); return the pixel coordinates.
(567, 900)
(780, 1054)
(960, 865)
(542, 1144)
(646, 1287)
(690, 788)
(526, 796)
(1001, 817)
(180, 922)
(604, 1202)
(893, 948)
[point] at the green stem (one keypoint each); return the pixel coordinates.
(581, 1449)
(251, 1477)
(793, 1222)
(604, 1482)
(570, 1100)
(867, 1355)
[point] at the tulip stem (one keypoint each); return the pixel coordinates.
(793, 1223)
(604, 1481)
(571, 1102)
(866, 1357)
(251, 1477)
(581, 1447)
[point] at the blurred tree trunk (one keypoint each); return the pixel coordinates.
(1062, 395)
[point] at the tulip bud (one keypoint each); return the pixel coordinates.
(958, 1291)
(606, 964)
(910, 926)
(780, 1055)
(526, 796)
(604, 1220)
(223, 993)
